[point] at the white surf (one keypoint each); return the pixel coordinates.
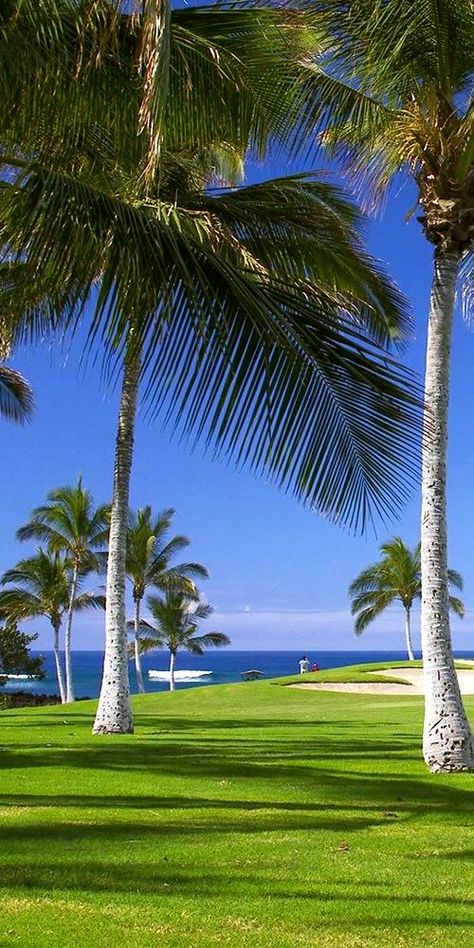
(183, 675)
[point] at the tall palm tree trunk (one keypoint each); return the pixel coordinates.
(408, 640)
(59, 667)
(67, 636)
(114, 713)
(447, 742)
(138, 658)
(172, 661)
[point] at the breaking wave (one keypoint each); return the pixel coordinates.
(19, 677)
(183, 675)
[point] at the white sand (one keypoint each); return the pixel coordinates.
(412, 683)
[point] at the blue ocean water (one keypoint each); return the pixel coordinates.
(223, 666)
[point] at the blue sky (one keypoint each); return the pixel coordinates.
(279, 573)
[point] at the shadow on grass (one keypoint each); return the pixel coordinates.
(163, 881)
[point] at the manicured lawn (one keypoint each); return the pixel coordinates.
(243, 815)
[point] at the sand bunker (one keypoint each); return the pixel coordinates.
(412, 679)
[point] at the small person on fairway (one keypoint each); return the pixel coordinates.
(304, 664)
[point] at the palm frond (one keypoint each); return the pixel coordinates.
(455, 579)
(16, 397)
(366, 616)
(457, 606)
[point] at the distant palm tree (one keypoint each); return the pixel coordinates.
(16, 397)
(397, 576)
(177, 619)
(40, 586)
(69, 523)
(148, 563)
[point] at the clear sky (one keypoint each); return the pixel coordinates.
(279, 573)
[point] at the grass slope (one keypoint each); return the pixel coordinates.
(367, 672)
(240, 815)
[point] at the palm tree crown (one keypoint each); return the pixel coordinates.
(40, 586)
(149, 555)
(177, 619)
(396, 576)
(70, 524)
(150, 551)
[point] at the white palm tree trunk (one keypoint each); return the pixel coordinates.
(172, 661)
(447, 742)
(68, 636)
(59, 667)
(114, 713)
(408, 640)
(138, 658)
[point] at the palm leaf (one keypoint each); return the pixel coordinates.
(16, 397)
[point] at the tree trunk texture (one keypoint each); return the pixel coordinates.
(408, 640)
(114, 713)
(447, 742)
(68, 637)
(138, 658)
(59, 668)
(172, 661)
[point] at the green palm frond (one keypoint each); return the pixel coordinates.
(151, 551)
(69, 522)
(366, 616)
(16, 397)
(276, 371)
(455, 579)
(89, 601)
(457, 606)
(396, 576)
(177, 618)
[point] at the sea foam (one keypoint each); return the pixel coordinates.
(183, 675)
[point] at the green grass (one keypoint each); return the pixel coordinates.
(239, 815)
(363, 673)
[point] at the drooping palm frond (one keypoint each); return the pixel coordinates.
(455, 579)
(16, 397)
(239, 350)
(457, 606)
(367, 615)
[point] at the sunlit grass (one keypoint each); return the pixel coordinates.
(243, 815)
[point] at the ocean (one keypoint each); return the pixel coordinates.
(214, 668)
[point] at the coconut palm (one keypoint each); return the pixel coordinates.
(40, 586)
(395, 577)
(150, 551)
(16, 398)
(70, 524)
(252, 314)
(402, 76)
(177, 619)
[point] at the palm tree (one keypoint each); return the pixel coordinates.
(177, 619)
(16, 397)
(70, 524)
(402, 76)
(40, 586)
(396, 576)
(148, 563)
(252, 314)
